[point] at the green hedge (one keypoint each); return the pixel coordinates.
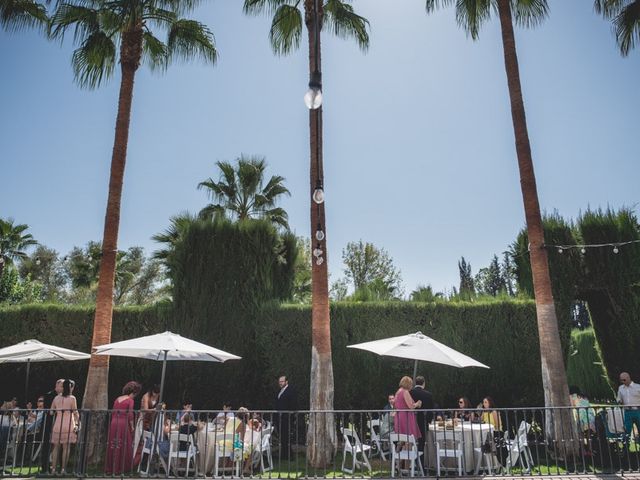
(584, 366)
(501, 334)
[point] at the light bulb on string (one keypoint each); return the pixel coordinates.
(583, 250)
(313, 97)
(319, 234)
(319, 261)
(615, 249)
(560, 250)
(318, 194)
(317, 252)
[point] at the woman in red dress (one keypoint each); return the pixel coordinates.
(120, 443)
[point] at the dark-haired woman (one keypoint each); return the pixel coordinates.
(65, 425)
(148, 404)
(464, 411)
(120, 440)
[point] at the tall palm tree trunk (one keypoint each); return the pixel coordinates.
(559, 424)
(321, 436)
(96, 390)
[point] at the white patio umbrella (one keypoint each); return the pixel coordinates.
(165, 347)
(35, 351)
(417, 346)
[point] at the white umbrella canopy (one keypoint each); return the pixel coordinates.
(165, 347)
(34, 351)
(417, 346)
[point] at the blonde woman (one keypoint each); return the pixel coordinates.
(405, 420)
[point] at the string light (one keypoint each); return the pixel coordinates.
(583, 248)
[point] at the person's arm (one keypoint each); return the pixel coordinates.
(618, 397)
(76, 414)
(409, 400)
(496, 420)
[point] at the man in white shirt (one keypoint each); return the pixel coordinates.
(629, 396)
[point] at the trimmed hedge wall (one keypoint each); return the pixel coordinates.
(585, 369)
(276, 341)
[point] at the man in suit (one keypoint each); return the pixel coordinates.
(286, 402)
(45, 432)
(424, 418)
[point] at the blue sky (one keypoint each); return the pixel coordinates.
(418, 145)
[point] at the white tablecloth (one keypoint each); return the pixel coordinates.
(471, 435)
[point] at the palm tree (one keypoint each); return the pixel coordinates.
(100, 27)
(241, 192)
(16, 15)
(625, 16)
(13, 242)
(171, 236)
(285, 34)
(470, 15)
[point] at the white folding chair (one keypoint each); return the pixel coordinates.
(11, 448)
(404, 448)
(518, 448)
(374, 431)
(224, 454)
(262, 455)
(448, 445)
(188, 454)
(151, 450)
(354, 447)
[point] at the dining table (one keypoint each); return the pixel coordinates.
(208, 437)
(471, 435)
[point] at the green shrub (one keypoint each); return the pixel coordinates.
(584, 366)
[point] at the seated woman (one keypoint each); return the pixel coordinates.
(583, 412)
(234, 425)
(489, 415)
(464, 411)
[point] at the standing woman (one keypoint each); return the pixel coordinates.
(405, 421)
(121, 428)
(65, 425)
(145, 420)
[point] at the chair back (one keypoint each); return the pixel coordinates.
(351, 439)
(374, 428)
(395, 438)
(266, 438)
(523, 430)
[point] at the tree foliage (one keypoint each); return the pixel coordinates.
(625, 20)
(101, 26)
(241, 192)
(370, 268)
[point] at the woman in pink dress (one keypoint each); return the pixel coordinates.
(120, 441)
(405, 422)
(65, 425)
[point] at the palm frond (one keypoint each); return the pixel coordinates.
(84, 20)
(189, 39)
(94, 61)
(179, 7)
(286, 29)
(432, 5)
(154, 52)
(627, 27)
(160, 17)
(529, 13)
(345, 23)
(471, 14)
(212, 211)
(257, 7)
(17, 15)
(278, 216)
(609, 8)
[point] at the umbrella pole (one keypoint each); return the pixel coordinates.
(415, 370)
(164, 369)
(26, 383)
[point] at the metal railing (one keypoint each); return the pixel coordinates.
(268, 444)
